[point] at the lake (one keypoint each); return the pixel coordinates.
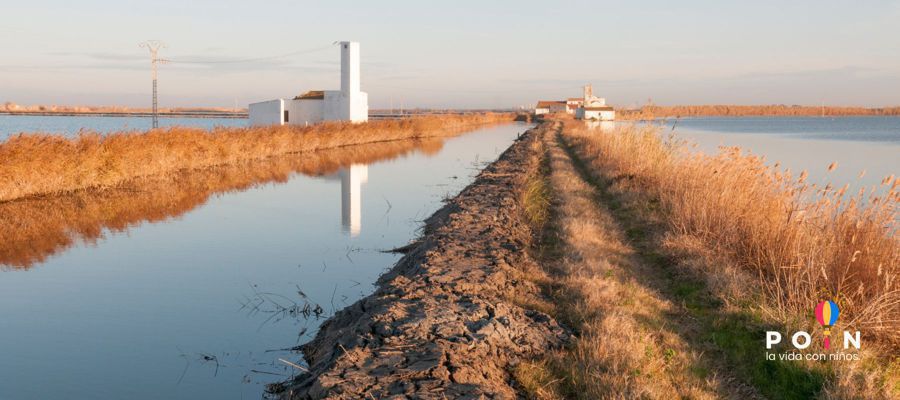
(70, 126)
(194, 285)
(856, 144)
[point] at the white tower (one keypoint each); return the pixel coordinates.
(355, 104)
(349, 67)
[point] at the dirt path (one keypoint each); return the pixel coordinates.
(631, 340)
(442, 323)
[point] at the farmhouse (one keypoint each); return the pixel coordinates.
(573, 103)
(549, 106)
(347, 104)
(594, 108)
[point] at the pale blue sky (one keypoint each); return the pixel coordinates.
(456, 54)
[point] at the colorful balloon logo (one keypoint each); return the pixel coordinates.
(827, 314)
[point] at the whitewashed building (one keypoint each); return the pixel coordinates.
(549, 106)
(594, 108)
(347, 104)
(572, 104)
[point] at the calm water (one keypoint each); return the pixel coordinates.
(13, 124)
(189, 288)
(857, 144)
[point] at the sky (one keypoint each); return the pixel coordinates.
(454, 54)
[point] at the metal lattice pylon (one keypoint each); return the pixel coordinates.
(154, 46)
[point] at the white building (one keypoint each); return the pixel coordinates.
(572, 104)
(549, 106)
(594, 108)
(347, 104)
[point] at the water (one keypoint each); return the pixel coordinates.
(857, 144)
(69, 126)
(182, 288)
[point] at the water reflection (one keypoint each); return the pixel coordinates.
(352, 179)
(603, 126)
(35, 229)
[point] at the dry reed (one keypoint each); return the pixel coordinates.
(805, 243)
(36, 228)
(40, 164)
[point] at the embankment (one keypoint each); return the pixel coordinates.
(445, 322)
(40, 164)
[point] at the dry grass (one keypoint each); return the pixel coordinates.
(40, 164)
(808, 243)
(36, 228)
(774, 243)
(629, 342)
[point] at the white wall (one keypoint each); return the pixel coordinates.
(305, 111)
(598, 115)
(267, 113)
(334, 101)
(340, 106)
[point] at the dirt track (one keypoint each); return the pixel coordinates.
(441, 323)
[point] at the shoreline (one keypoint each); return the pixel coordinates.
(42, 164)
(446, 318)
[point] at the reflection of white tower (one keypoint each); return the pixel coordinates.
(352, 179)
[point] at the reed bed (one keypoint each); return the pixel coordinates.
(804, 243)
(36, 228)
(40, 164)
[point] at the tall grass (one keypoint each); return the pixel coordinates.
(805, 243)
(36, 228)
(40, 164)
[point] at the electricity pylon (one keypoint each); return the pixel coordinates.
(154, 46)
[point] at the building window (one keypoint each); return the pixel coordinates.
(345, 46)
(286, 119)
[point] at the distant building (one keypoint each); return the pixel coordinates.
(347, 104)
(573, 103)
(594, 108)
(549, 106)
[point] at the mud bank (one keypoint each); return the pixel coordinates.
(442, 322)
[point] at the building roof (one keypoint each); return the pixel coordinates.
(597, 108)
(575, 99)
(312, 95)
(548, 103)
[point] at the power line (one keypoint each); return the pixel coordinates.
(293, 53)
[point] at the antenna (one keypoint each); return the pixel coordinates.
(154, 46)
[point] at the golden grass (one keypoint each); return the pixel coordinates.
(36, 228)
(41, 164)
(654, 111)
(805, 243)
(629, 342)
